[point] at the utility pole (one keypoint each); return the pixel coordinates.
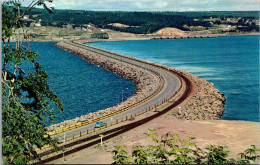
(101, 138)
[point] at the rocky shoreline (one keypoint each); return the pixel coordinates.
(205, 103)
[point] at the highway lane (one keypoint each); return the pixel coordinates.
(171, 85)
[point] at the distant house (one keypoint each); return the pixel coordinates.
(64, 26)
(77, 28)
(38, 24)
(94, 29)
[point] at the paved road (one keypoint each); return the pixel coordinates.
(171, 85)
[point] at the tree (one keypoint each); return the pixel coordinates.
(28, 103)
(171, 149)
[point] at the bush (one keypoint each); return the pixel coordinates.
(170, 149)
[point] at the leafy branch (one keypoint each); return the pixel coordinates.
(28, 103)
(171, 149)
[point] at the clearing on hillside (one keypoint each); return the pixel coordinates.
(173, 32)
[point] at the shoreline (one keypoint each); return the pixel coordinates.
(130, 36)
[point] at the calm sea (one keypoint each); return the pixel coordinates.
(231, 63)
(83, 87)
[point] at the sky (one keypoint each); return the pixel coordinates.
(155, 5)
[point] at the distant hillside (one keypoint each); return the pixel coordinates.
(207, 14)
(135, 22)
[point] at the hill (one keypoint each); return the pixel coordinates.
(146, 22)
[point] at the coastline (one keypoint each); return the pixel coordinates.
(121, 36)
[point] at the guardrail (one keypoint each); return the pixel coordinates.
(115, 112)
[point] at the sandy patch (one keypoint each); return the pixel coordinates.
(173, 32)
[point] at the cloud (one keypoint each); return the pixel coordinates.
(156, 5)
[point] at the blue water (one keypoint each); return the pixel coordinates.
(231, 63)
(83, 87)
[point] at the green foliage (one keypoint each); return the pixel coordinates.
(217, 155)
(171, 149)
(27, 101)
(249, 155)
(141, 22)
(221, 14)
(120, 155)
(140, 155)
(152, 135)
(7, 22)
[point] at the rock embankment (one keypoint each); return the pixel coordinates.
(146, 83)
(205, 102)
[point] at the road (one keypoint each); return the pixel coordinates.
(171, 85)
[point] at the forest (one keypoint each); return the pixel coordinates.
(141, 22)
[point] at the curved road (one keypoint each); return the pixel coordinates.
(171, 85)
